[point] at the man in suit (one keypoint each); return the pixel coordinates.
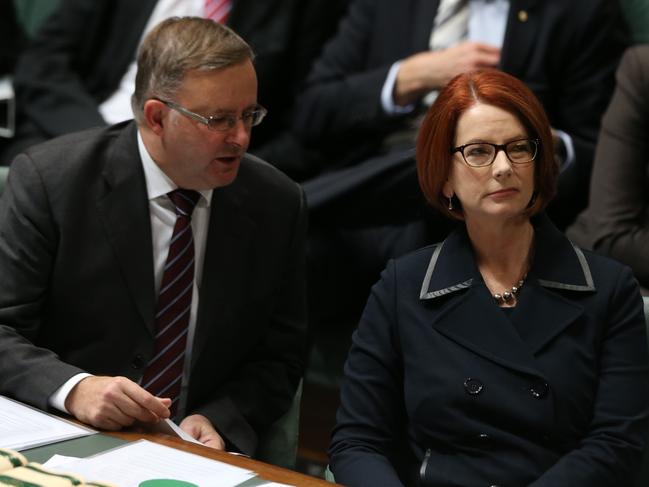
(371, 80)
(78, 71)
(96, 224)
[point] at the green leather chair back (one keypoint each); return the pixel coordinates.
(32, 13)
(636, 13)
(278, 445)
(4, 171)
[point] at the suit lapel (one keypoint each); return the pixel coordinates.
(247, 16)
(523, 24)
(121, 49)
(424, 12)
(225, 267)
(124, 211)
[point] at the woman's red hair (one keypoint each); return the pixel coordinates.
(437, 133)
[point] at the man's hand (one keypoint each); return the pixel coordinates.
(114, 402)
(431, 70)
(200, 428)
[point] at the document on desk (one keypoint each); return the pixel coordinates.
(168, 427)
(23, 427)
(134, 463)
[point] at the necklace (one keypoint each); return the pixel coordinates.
(509, 295)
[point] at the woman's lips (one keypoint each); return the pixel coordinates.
(503, 193)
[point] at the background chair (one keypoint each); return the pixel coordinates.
(637, 16)
(278, 445)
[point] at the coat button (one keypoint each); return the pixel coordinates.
(138, 362)
(539, 390)
(473, 386)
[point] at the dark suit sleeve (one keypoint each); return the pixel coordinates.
(263, 386)
(342, 92)
(615, 222)
(51, 77)
(371, 416)
(28, 241)
(594, 46)
(610, 452)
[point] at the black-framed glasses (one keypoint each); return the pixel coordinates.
(481, 154)
(222, 123)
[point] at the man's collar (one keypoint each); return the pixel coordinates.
(157, 182)
(557, 263)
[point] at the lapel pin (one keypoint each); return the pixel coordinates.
(522, 16)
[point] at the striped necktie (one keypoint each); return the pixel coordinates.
(163, 375)
(218, 10)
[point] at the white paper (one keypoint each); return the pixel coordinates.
(23, 427)
(59, 460)
(132, 464)
(170, 428)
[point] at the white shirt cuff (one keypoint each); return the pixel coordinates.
(570, 149)
(387, 101)
(58, 397)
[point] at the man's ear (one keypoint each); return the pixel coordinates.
(154, 112)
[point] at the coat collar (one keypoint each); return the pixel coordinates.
(557, 264)
(469, 316)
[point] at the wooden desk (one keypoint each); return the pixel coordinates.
(263, 470)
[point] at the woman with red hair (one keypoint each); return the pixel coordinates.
(503, 355)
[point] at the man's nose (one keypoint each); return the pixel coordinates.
(239, 134)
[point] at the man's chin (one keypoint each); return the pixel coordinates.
(223, 174)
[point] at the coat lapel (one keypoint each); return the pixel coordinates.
(559, 271)
(542, 314)
(124, 211)
(470, 316)
(523, 24)
(224, 278)
(475, 322)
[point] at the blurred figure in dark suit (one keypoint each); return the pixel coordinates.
(78, 72)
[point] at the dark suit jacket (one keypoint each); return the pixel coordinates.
(440, 380)
(81, 52)
(616, 222)
(12, 38)
(566, 52)
(77, 290)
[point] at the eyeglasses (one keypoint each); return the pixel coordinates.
(222, 123)
(481, 154)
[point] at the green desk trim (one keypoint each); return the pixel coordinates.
(77, 447)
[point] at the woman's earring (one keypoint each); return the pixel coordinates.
(450, 204)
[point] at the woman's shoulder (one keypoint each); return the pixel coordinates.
(606, 272)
